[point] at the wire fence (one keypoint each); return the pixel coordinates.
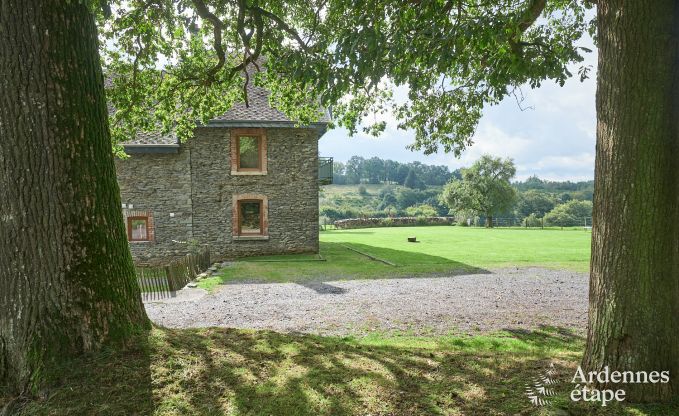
(164, 281)
(584, 222)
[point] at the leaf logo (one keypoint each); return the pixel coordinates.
(537, 392)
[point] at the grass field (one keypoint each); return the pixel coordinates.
(236, 372)
(220, 371)
(440, 250)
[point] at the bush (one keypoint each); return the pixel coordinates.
(389, 200)
(387, 190)
(392, 222)
(570, 214)
(422, 210)
(362, 190)
(532, 221)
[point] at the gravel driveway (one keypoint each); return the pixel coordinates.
(502, 299)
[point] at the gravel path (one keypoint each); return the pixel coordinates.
(503, 299)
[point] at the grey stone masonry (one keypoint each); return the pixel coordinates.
(192, 194)
(159, 184)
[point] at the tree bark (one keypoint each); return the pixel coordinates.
(489, 221)
(634, 284)
(67, 282)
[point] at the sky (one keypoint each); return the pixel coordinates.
(552, 135)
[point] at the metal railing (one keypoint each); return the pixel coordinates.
(325, 167)
(584, 222)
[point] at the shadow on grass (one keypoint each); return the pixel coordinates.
(410, 258)
(343, 263)
(225, 371)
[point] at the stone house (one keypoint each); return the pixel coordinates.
(246, 184)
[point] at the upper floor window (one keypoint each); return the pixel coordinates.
(248, 152)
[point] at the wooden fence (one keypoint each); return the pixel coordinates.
(164, 281)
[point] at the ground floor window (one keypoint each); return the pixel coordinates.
(138, 228)
(139, 225)
(250, 215)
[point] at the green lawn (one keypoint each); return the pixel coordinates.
(220, 371)
(440, 250)
(237, 372)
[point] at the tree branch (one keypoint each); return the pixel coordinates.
(283, 26)
(218, 26)
(529, 16)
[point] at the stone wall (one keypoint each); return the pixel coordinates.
(159, 184)
(196, 185)
(290, 187)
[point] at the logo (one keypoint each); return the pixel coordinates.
(547, 385)
(542, 387)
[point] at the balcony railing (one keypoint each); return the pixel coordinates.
(325, 170)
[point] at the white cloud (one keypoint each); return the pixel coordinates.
(554, 139)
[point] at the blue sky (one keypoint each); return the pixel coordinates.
(553, 139)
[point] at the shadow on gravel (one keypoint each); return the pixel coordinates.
(323, 288)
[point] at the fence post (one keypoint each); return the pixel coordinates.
(169, 277)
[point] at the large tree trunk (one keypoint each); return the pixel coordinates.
(634, 287)
(66, 276)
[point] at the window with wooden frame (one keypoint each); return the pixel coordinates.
(138, 228)
(250, 216)
(248, 152)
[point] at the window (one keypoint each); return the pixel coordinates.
(138, 229)
(250, 217)
(248, 152)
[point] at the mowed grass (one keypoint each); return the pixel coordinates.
(441, 250)
(239, 372)
(474, 246)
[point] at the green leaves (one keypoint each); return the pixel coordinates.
(455, 57)
(484, 188)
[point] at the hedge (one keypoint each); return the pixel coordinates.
(392, 222)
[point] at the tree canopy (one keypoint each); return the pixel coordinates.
(185, 61)
(376, 170)
(484, 188)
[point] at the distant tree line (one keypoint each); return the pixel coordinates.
(414, 175)
(479, 192)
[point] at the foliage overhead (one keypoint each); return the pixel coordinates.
(185, 61)
(484, 188)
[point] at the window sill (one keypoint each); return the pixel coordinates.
(250, 237)
(139, 241)
(248, 173)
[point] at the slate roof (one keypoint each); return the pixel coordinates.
(258, 111)
(153, 138)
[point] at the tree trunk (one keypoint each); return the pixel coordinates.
(634, 286)
(67, 281)
(489, 221)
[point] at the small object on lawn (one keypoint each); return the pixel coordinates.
(192, 285)
(412, 239)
